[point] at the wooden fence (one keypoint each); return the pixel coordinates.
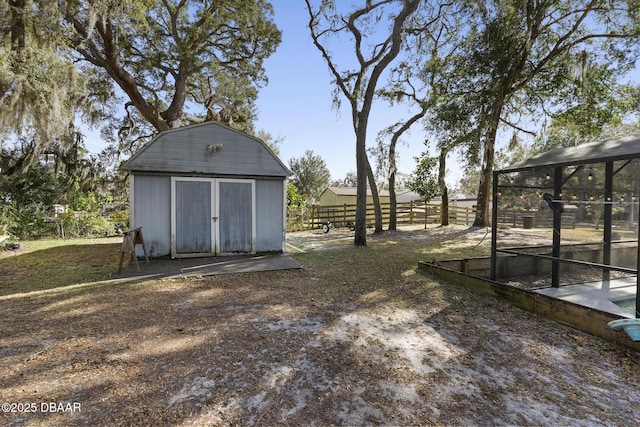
(535, 219)
(420, 213)
(406, 213)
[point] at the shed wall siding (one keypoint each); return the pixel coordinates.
(328, 198)
(346, 200)
(152, 212)
(269, 216)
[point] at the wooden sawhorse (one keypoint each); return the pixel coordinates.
(131, 239)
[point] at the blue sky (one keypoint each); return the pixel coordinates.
(296, 105)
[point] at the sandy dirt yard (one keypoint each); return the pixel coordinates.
(357, 337)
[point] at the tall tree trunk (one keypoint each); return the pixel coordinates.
(360, 236)
(376, 199)
(393, 202)
(17, 25)
(442, 169)
(393, 168)
(173, 114)
(365, 92)
(484, 187)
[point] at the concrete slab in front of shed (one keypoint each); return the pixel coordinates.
(189, 267)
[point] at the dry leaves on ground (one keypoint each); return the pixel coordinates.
(332, 344)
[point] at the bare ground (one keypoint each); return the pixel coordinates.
(332, 344)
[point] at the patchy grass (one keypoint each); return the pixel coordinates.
(387, 265)
(47, 264)
(356, 337)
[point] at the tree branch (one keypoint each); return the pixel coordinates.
(513, 125)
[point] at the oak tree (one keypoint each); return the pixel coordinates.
(376, 32)
(310, 174)
(519, 56)
(165, 54)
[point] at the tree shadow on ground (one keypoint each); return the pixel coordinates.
(58, 267)
(356, 337)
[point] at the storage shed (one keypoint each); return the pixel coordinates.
(207, 190)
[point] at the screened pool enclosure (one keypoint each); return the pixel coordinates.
(579, 208)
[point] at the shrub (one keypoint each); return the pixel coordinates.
(120, 219)
(31, 222)
(84, 224)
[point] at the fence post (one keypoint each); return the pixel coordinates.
(426, 210)
(411, 212)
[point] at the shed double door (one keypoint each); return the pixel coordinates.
(212, 216)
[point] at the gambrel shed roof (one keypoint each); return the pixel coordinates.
(208, 148)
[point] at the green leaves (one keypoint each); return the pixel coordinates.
(424, 179)
(167, 54)
(310, 174)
